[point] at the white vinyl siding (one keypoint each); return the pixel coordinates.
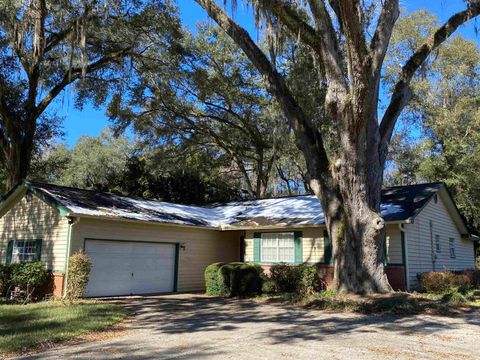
(277, 247)
(422, 250)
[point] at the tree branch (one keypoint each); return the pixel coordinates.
(383, 32)
(308, 138)
(331, 56)
(402, 93)
(74, 74)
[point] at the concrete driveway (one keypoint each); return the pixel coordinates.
(197, 327)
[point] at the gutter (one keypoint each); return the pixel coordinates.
(405, 254)
(71, 221)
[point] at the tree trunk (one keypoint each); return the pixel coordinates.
(18, 161)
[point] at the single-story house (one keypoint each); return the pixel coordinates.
(143, 247)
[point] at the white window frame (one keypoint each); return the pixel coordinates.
(453, 254)
(277, 247)
(24, 251)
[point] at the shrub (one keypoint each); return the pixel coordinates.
(268, 286)
(302, 279)
(29, 276)
(437, 282)
(454, 297)
(79, 265)
(441, 282)
(233, 279)
(285, 277)
(309, 282)
(5, 279)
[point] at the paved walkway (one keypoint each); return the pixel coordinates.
(197, 327)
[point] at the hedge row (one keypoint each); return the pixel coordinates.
(245, 279)
(444, 281)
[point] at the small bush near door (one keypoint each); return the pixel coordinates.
(233, 279)
(302, 279)
(79, 266)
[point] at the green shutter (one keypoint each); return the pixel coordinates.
(9, 252)
(298, 247)
(38, 249)
(327, 248)
(256, 247)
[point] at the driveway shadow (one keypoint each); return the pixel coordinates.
(196, 313)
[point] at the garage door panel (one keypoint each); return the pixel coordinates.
(124, 268)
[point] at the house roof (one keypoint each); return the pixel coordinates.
(399, 204)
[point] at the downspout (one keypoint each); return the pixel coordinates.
(403, 231)
(71, 221)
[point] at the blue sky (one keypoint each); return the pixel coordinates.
(91, 121)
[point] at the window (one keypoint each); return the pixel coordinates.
(438, 246)
(24, 251)
(452, 248)
(278, 247)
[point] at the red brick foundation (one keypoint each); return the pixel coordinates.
(54, 286)
(395, 275)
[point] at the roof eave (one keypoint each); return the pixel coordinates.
(118, 219)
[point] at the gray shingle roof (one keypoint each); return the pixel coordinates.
(398, 204)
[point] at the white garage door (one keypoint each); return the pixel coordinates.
(129, 268)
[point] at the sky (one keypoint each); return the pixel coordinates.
(91, 121)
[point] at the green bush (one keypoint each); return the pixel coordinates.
(454, 297)
(285, 277)
(309, 280)
(79, 265)
(233, 279)
(29, 276)
(302, 279)
(268, 286)
(5, 279)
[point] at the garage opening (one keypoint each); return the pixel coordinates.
(131, 268)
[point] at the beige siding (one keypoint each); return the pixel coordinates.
(202, 246)
(394, 245)
(313, 244)
(35, 219)
(419, 243)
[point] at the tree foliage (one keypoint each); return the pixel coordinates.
(46, 45)
(211, 97)
(445, 112)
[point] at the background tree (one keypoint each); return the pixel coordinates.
(347, 177)
(211, 97)
(444, 113)
(126, 167)
(45, 45)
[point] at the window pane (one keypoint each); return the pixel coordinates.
(278, 247)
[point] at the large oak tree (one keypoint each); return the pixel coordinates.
(346, 178)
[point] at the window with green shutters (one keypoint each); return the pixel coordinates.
(278, 247)
(21, 251)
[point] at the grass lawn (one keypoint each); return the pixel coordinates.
(24, 327)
